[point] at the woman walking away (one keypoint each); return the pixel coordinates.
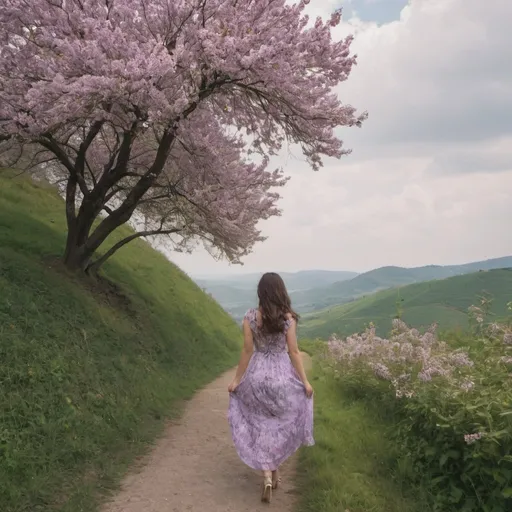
(271, 404)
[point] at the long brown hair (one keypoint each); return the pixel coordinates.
(275, 303)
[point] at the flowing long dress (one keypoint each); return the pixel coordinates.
(269, 413)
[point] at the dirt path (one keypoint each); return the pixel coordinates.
(194, 466)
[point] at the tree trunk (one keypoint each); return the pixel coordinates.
(74, 258)
(81, 244)
(79, 227)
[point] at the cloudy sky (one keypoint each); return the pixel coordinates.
(430, 177)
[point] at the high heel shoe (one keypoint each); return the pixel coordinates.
(266, 495)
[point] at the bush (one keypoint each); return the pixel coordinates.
(453, 407)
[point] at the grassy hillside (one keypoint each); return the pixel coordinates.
(444, 301)
(89, 373)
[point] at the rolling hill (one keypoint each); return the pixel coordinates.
(315, 290)
(237, 294)
(90, 370)
(444, 301)
(387, 277)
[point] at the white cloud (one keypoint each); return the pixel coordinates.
(430, 179)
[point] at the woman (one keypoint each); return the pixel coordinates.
(271, 405)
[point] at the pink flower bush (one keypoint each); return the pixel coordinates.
(452, 406)
(404, 359)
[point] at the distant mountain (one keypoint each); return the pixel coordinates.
(388, 277)
(313, 290)
(444, 301)
(237, 294)
(301, 280)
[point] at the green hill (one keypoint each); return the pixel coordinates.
(384, 278)
(444, 301)
(90, 371)
(314, 290)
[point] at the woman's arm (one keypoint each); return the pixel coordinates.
(295, 356)
(245, 356)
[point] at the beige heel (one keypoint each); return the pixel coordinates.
(266, 495)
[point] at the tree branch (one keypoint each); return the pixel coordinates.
(80, 159)
(95, 266)
(48, 142)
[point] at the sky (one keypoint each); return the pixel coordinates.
(429, 180)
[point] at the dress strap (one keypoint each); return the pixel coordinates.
(252, 317)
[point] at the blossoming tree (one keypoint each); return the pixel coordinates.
(169, 109)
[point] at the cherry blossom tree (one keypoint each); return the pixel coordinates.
(169, 110)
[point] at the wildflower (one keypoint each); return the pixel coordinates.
(433, 328)
(428, 338)
(471, 438)
(424, 376)
(381, 370)
(399, 325)
(467, 385)
(507, 338)
(460, 359)
(495, 329)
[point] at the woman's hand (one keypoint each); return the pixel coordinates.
(233, 385)
(309, 389)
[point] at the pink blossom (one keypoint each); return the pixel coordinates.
(196, 96)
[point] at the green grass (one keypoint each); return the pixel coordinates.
(443, 301)
(311, 347)
(89, 372)
(352, 467)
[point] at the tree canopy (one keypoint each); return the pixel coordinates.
(169, 109)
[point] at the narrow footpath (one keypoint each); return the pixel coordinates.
(194, 466)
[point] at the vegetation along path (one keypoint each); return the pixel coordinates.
(194, 465)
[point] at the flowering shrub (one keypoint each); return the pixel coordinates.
(453, 406)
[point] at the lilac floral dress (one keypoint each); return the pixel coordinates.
(269, 413)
